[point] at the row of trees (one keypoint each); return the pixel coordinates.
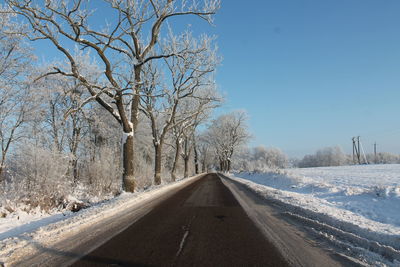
(126, 100)
(261, 159)
(334, 156)
(133, 62)
(329, 156)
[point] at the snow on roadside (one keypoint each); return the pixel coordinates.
(359, 204)
(20, 222)
(16, 234)
(18, 218)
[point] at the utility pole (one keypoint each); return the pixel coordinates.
(375, 158)
(358, 146)
(363, 152)
(357, 150)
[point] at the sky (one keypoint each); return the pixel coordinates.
(313, 73)
(309, 73)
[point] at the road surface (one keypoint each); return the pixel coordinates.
(201, 225)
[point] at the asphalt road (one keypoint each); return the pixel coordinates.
(201, 225)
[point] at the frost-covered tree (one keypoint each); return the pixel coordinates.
(243, 160)
(225, 134)
(62, 120)
(65, 130)
(259, 159)
(205, 152)
(269, 158)
(329, 156)
(190, 75)
(184, 134)
(123, 45)
(383, 158)
(15, 90)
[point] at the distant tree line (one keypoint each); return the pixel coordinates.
(261, 159)
(329, 156)
(334, 156)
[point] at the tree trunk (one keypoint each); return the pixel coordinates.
(1, 173)
(196, 157)
(74, 149)
(186, 172)
(157, 163)
(73, 169)
(136, 98)
(3, 162)
(128, 176)
(203, 165)
(128, 164)
(186, 158)
(1, 168)
(176, 159)
(228, 165)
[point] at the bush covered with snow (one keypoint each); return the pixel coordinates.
(38, 178)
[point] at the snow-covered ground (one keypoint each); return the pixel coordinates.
(19, 231)
(18, 218)
(360, 204)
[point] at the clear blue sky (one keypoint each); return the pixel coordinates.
(310, 73)
(313, 73)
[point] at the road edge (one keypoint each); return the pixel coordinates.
(64, 245)
(285, 236)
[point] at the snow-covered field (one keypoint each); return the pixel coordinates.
(360, 204)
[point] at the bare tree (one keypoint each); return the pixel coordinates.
(201, 105)
(13, 114)
(205, 151)
(15, 59)
(65, 129)
(225, 134)
(190, 75)
(65, 120)
(123, 47)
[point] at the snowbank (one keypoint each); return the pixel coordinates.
(356, 204)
